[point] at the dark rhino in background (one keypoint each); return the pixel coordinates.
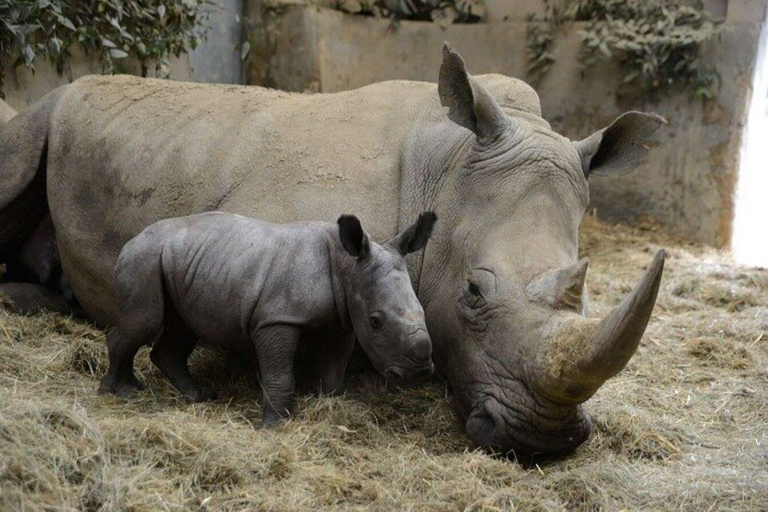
(500, 281)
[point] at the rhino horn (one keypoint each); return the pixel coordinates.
(577, 356)
(561, 288)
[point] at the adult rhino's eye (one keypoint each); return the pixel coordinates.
(479, 288)
(376, 322)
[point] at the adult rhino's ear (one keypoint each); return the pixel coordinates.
(353, 237)
(415, 236)
(469, 103)
(619, 148)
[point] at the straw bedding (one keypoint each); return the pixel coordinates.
(684, 426)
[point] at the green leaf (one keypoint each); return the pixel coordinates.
(117, 53)
(631, 76)
(151, 30)
(66, 22)
(29, 54)
(55, 44)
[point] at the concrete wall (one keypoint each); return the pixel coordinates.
(23, 86)
(688, 181)
(318, 50)
(750, 243)
(217, 59)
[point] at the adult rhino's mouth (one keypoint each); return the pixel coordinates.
(536, 428)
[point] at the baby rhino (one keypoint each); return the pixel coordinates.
(267, 291)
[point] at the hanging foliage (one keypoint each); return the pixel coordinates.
(149, 31)
(444, 12)
(657, 43)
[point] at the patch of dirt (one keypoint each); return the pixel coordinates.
(684, 426)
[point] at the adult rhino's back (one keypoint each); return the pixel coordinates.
(123, 152)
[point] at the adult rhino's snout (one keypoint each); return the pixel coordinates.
(533, 429)
(481, 429)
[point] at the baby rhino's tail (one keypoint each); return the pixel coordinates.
(139, 290)
(139, 287)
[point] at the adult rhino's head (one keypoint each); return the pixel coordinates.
(502, 284)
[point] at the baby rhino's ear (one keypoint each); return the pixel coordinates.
(353, 237)
(416, 235)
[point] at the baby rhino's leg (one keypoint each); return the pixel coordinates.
(139, 289)
(332, 359)
(276, 349)
(170, 355)
(120, 379)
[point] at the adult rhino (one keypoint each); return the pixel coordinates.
(501, 286)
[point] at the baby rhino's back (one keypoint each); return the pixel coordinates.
(228, 275)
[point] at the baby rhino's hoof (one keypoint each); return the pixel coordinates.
(271, 420)
(122, 388)
(201, 394)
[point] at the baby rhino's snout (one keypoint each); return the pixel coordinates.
(421, 353)
(421, 347)
(416, 357)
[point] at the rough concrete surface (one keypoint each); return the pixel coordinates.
(688, 183)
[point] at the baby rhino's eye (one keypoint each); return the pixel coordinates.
(474, 289)
(376, 321)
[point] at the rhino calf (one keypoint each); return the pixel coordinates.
(267, 290)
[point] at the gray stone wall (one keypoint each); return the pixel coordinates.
(217, 59)
(688, 182)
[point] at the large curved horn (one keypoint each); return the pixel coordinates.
(577, 356)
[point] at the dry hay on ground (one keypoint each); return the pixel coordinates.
(685, 426)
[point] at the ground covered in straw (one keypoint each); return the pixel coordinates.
(685, 426)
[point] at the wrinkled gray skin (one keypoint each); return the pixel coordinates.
(499, 280)
(264, 290)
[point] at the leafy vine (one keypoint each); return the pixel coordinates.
(149, 31)
(657, 43)
(444, 12)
